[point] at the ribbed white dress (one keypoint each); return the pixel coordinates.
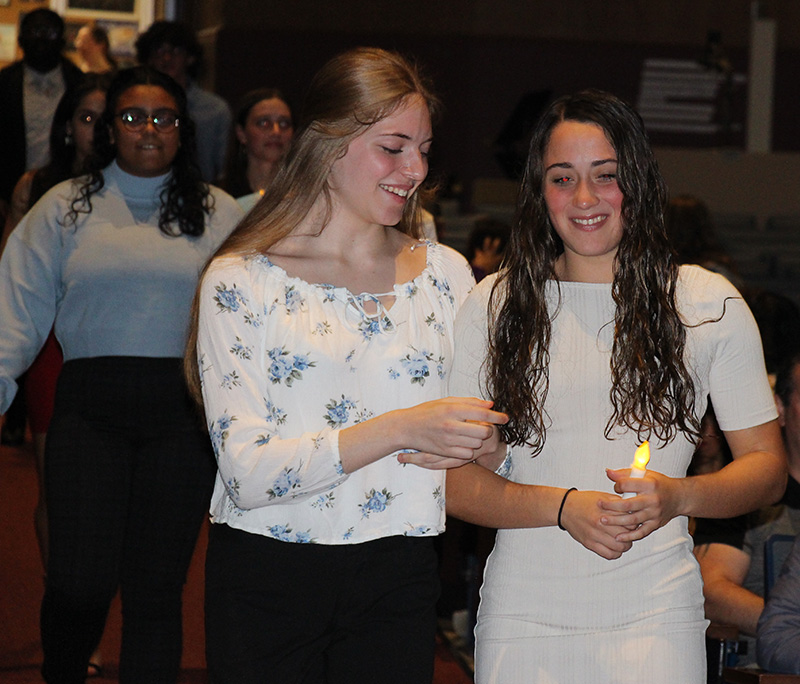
(552, 611)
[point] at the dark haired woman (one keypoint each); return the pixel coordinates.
(596, 340)
(111, 259)
(324, 341)
(263, 131)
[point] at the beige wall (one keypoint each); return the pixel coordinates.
(732, 182)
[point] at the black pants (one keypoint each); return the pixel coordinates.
(128, 478)
(308, 613)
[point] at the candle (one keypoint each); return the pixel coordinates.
(639, 466)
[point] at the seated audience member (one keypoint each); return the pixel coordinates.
(779, 625)
(171, 47)
(731, 552)
(94, 50)
(487, 241)
(262, 133)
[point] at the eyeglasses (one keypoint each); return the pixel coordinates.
(137, 119)
(269, 122)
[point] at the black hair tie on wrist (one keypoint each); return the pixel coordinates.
(561, 507)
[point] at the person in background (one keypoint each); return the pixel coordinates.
(262, 133)
(71, 138)
(172, 48)
(30, 90)
(778, 631)
(486, 245)
(110, 261)
(592, 340)
(323, 337)
(731, 551)
(94, 50)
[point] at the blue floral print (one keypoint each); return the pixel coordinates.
(416, 364)
(241, 351)
(219, 432)
(376, 502)
(324, 501)
(283, 370)
(274, 414)
(230, 381)
(339, 411)
(431, 321)
(287, 364)
(293, 299)
(289, 479)
(228, 300)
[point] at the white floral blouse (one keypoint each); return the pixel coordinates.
(286, 363)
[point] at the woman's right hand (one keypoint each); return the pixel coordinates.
(582, 517)
(447, 433)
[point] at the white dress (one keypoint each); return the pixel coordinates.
(286, 364)
(553, 612)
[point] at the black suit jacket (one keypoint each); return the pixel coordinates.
(12, 122)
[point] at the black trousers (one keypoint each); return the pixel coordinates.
(308, 613)
(128, 479)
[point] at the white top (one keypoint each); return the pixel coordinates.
(285, 364)
(541, 582)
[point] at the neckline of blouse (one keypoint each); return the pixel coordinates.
(343, 292)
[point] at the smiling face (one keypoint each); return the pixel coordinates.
(148, 151)
(583, 200)
(267, 131)
(384, 166)
(81, 125)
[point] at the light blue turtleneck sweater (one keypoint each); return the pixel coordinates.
(113, 284)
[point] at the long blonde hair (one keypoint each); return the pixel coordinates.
(351, 92)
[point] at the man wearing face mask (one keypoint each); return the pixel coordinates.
(29, 92)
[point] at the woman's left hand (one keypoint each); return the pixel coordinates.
(657, 501)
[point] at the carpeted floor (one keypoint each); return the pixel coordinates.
(21, 591)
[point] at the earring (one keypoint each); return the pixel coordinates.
(68, 139)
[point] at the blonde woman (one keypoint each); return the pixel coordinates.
(324, 341)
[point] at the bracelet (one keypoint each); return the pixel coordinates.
(561, 507)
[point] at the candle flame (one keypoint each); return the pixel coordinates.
(642, 456)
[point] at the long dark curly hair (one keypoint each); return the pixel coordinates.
(652, 392)
(185, 199)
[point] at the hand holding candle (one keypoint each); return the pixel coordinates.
(639, 466)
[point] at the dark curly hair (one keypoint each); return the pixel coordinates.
(185, 199)
(652, 392)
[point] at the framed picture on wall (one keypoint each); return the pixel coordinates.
(139, 12)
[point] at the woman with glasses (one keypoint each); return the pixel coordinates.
(262, 134)
(111, 260)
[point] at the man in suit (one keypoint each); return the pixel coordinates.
(29, 93)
